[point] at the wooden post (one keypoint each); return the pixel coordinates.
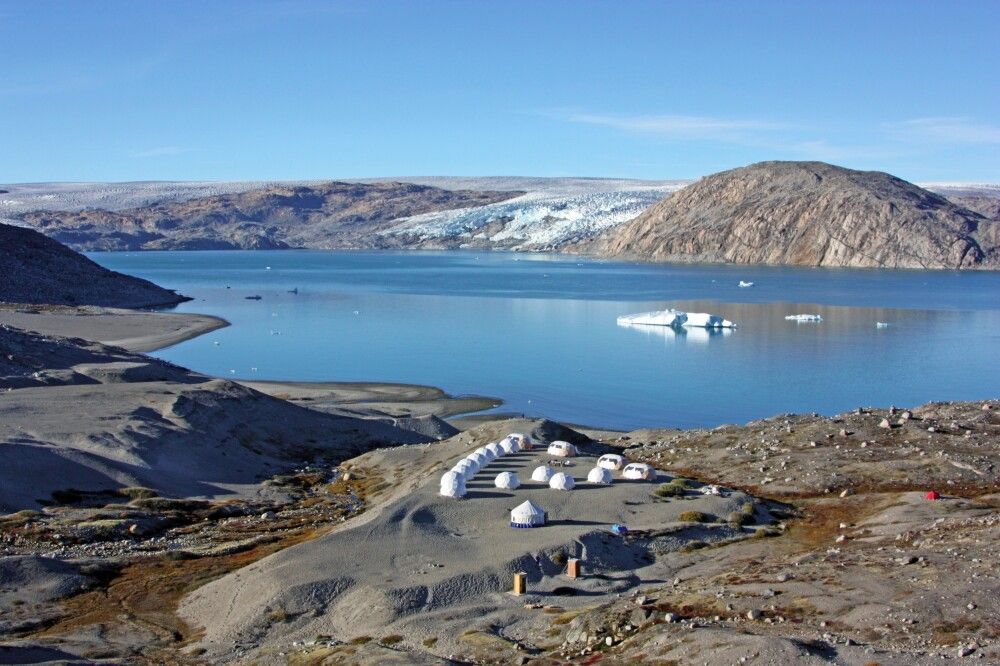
(520, 583)
(573, 567)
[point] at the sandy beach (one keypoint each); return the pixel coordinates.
(134, 330)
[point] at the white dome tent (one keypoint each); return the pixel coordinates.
(453, 485)
(601, 475)
(639, 472)
(527, 514)
(509, 446)
(542, 474)
(507, 481)
(523, 442)
(465, 468)
(562, 449)
(611, 461)
(494, 449)
(562, 481)
(473, 460)
(480, 459)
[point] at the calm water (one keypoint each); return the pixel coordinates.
(539, 331)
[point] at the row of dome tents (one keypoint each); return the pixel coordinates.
(453, 481)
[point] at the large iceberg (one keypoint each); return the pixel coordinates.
(676, 318)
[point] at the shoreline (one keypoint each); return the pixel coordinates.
(145, 331)
(140, 331)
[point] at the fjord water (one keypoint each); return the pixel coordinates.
(539, 331)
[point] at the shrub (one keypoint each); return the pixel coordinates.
(559, 558)
(681, 482)
(392, 640)
(696, 517)
(669, 490)
(747, 508)
(137, 492)
(430, 642)
(738, 518)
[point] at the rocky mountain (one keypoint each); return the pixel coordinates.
(808, 214)
(37, 269)
(321, 216)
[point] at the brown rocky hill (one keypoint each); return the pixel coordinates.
(808, 214)
(36, 269)
(324, 216)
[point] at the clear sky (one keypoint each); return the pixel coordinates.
(215, 90)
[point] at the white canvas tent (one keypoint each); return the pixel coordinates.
(611, 461)
(509, 446)
(465, 468)
(480, 459)
(600, 475)
(527, 514)
(562, 481)
(562, 449)
(507, 480)
(639, 471)
(485, 451)
(453, 485)
(523, 441)
(542, 474)
(495, 449)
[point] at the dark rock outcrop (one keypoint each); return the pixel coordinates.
(808, 214)
(331, 215)
(36, 269)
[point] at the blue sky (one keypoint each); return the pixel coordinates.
(300, 89)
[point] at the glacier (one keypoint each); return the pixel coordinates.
(552, 213)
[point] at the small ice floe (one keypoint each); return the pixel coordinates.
(267, 268)
(676, 318)
(881, 324)
(744, 283)
(804, 317)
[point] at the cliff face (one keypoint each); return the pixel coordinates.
(326, 216)
(37, 269)
(808, 214)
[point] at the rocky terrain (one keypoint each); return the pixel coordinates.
(808, 214)
(37, 269)
(843, 559)
(910, 227)
(320, 216)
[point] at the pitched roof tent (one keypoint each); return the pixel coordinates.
(527, 514)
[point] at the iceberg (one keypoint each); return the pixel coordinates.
(744, 283)
(675, 319)
(881, 324)
(661, 318)
(706, 320)
(804, 317)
